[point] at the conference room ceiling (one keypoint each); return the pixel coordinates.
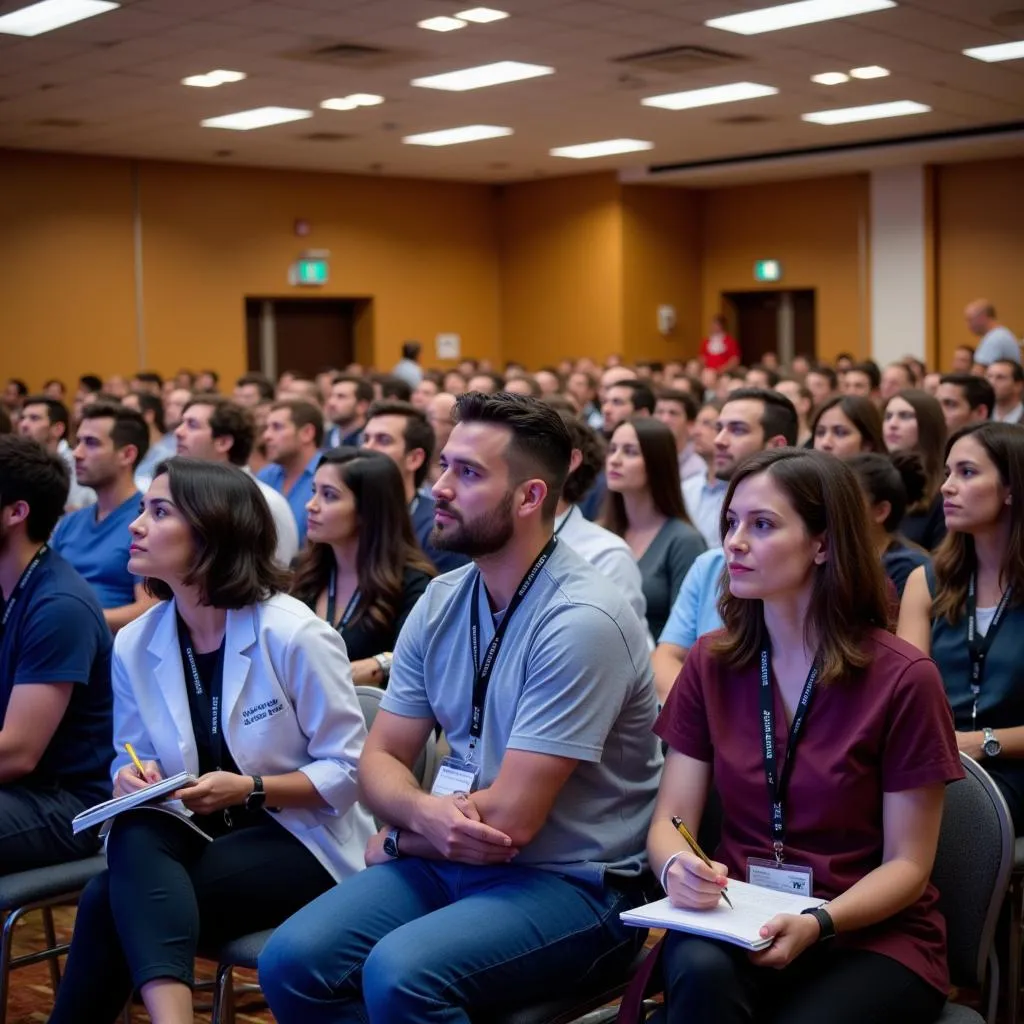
(111, 84)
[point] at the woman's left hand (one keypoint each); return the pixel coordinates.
(792, 934)
(215, 791)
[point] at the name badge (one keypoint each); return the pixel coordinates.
(792, 878)
(455, 776)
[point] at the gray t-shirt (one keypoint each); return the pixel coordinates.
(999, 343)
(572, 679)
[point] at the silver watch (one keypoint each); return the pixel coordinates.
(989, 744)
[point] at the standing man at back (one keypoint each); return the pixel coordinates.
(997, 342)
(293, 435)
(508, 879)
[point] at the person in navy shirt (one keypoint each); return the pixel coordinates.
(293, 435)
(400, 431)
(55, 698)
(112, 439)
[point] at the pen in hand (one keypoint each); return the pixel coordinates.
(695, 846)
(135, 760)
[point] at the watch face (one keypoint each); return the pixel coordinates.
(992, 748)
(391, 844)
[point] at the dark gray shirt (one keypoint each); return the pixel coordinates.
(664, 565)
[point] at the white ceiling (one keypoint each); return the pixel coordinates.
(112, 83)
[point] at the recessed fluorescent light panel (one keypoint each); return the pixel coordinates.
(441, 24)
(453, 136)
(708, 97)
(482, 15)
(871, 71)
(609, 147)
(357, 99)
(261, 117)
(485, 75)
(213, 78)
(989, 54)
(806, 12)
(899, 108)
(51, 14)
(830, 78)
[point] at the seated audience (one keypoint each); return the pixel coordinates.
(966, 610)
(965, 398)
(803, 402)
(45, 420)
(425, 392)
(913, 421)
(346, 407)
(362, 570)
(624, 400)
(853, 817)
(485, 382)
(760, 375)
(530, 844)
(277, 785)
(896, 377)
(864, 380)
(523, 385)
(847, 425)
(581, 386)
(293, 435)
(95, 539)
(217, 430)
(55, 742)
(644, 507)
(206, 382)
(1007, 379)
(963, 359)
(162, 444)
(822, 382)
(253, 388)
(678, 411)
(439, 416)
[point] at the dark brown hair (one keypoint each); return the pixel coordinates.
(233, 531)
(931, 442)
(229, 419)
(304, 414)
(661, 461)
(955, 558)
(861, 412)
(849, 593)
(591, 447)
(387, 546)
(127, 426)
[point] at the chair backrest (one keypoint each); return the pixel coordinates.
(972, 870)
(423, 769)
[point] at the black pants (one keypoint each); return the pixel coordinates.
(709, 982)
(168, 890)
(35, 828)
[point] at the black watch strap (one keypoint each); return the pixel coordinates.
(825, 922)
(258, 797)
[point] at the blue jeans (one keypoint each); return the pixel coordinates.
(422, 941)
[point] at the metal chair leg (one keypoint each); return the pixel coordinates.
(223, 1011)
(51, 943)
(1016, 898)
(6, 944)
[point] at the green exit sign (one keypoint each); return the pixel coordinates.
(311, 272)
(767, 270)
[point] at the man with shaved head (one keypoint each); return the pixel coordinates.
(997, 342)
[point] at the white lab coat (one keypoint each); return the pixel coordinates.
(288, 704)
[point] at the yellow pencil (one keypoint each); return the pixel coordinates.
(135, 760)
(695, 846)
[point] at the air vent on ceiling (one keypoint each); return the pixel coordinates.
(58, 122)
(744, 119)
(678, 60)
(351, 55)
(325, 137)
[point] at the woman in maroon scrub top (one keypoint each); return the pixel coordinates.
(830, 742)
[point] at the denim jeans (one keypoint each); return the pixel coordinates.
(422, 941)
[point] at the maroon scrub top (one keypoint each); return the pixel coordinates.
(886, 729)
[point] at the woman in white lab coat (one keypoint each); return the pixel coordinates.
(244, 687)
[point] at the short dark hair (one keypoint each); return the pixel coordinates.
(20, 386)
(495, 378)
(870, 370)
(304, 414)
(539, 445)
(209, 373)
(898, 478)
(29, 473)
(976, 390)
(261, 381)
(591, 446)
(129, 427)
(418, 431)
(90, 382)
(1018, 370)
(148, 402)
(364, 389)
(150, 377)
(393, 387)
(684, 398)
(965, 348)
(643, 396)
(827, 372)
(55, 380)
(228, 419)
(772, 375)
(56, 410)
(779, 418)
(411, 350)
(233, 531)
(5, 421)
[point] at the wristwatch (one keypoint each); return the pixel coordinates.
(384, 664)
(258, 797)
(391, 843)
(991, 747)
(825, 922)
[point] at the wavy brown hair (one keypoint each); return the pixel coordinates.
(931, 442)
(387, 546)
(955, 558)
(849, 593)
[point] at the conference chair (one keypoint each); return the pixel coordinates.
(1016, 943)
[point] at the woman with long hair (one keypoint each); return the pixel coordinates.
(847, 425)
(890, 483)
(362, 569)
(912, 420)
(967, 610)
(805, 693)
(644, 506)
(242, 686)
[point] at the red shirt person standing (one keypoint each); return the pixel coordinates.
(720, 350)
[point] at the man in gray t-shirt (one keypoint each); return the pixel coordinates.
(509, 878)
(997, 342)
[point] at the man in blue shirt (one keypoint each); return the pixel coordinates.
(293, 436)
(95, 540)
(55, 699)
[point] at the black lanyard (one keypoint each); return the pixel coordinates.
(208, 710)
(22, 583)
(568, 516)
(350, 608)
(483, 670)
(778, 781)
(977, 647)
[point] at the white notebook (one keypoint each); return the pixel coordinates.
(152, 795)
(753, 906)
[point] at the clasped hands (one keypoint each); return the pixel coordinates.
(213, 792)
(691, 884)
